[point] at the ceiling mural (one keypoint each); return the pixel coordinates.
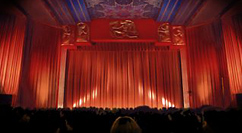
(123, 9)
(176, 12)
(173, 11)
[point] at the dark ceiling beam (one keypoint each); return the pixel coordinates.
(226, 9)
(50, 12)
(189, 21)
(17, 4)
(21, 9)
(8, 5)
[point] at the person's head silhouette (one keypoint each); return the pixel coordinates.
(125, 124)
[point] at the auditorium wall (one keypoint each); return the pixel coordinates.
(30, 52)
(29, 60)
(208, 80)
(232, 33)
(214, 62)
(12, 32)
(40, 69)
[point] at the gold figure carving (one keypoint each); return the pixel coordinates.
(178, 35)
(82, 32)
(164, 32)
(68, 35)
(123, 29)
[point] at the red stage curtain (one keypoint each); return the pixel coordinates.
(123, 75)
(208, 76)
(39, 79)
(12, 31)
(232, 29)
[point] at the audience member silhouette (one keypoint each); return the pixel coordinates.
(119, 120)
(125, 124)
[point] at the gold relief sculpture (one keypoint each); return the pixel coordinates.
(123, 29)
(68, 35)
(164, 32)
(178, 35)
(82, 32)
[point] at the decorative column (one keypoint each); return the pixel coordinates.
(72, 36)
(61, 90)
(185, 86)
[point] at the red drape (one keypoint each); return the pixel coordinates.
(123, 75)
(208, 76)
(232, 30)
(12, 31)
(40, 70)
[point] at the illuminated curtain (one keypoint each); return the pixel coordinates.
(39, 79)
(123, 75)
(208, 75)
(232, 29)
(12, 31)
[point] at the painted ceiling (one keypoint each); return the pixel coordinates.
(177, 12)
(73, 11)
(121, 9)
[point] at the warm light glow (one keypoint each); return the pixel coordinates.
(74, 105)
(60, 105)
(163, 101)
(93, 94)
(84, 100)
(140, 90)
(80, 102)
(153, 96)
(149, 94)
(166, 103)
(96, 93)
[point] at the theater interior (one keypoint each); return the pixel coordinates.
(121, 66)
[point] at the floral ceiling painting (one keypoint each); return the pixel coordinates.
(123, 9)
(178, 12)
